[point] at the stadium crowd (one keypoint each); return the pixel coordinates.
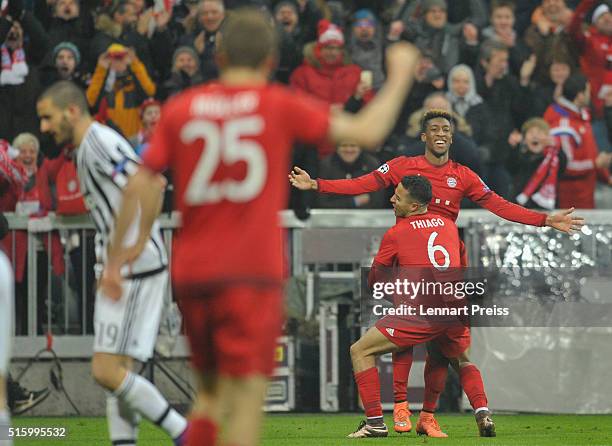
(528, 82)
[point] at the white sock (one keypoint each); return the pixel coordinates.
(5, 423)
(122, 421)
(144, 397)
(480, 409)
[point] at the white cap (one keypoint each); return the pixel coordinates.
(599, 11)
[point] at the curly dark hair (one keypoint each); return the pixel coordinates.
(433, 114)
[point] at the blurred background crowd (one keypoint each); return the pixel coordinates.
(529, 83)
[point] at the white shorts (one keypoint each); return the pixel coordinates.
(129, 326)
(6, 312)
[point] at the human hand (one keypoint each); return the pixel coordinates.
(470, 33)
(564, 221)
(528, 68)
(515, 138)
(300, 179)
(199, 43)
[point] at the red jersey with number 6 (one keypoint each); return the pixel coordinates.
(228, 149)
(425, 240)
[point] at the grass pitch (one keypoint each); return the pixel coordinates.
(330, 430)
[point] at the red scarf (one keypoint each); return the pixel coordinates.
(542, 186)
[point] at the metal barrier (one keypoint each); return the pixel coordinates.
(331, 241)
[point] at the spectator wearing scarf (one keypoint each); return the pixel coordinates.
(536, 164)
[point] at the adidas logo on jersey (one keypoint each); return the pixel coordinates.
(390, 331)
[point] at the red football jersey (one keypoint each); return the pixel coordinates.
(228, 149)
(450, 182)
(425, 240)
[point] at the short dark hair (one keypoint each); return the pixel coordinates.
(65, 93)
(248, 37)
(489, 47)
(502, 4)
(573, 85)
(433, 114)
(418, 187)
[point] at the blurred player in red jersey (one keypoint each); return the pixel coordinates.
(427, 244)
(227, 145)
(451, 182)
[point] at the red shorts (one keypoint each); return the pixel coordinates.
(452, 339)
(232, 330)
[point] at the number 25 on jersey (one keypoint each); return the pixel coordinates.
(228, 143)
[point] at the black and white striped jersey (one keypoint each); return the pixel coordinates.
(105, 160)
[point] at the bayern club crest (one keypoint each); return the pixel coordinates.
(451, 181)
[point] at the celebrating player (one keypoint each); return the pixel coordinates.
(451, 182)
(409, 244)
(226, 144)
(6, 329)
(125, 325)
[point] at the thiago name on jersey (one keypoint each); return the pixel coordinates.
(427, 223)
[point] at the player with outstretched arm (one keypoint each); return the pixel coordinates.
(451, 182)
(226, 144)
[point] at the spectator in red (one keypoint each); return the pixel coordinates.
(150, 111)
(595, 44)
(326, 73)
(28, 204)
(12, 177)
(571, 126)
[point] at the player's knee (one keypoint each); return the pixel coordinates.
(356, 351)
(106, 373)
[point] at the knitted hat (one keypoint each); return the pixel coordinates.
(428, 4)
(329, 34)
(185, 49)
(599, 11)
(365, 17)
(70, 47)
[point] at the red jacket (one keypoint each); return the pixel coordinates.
(62, 172)
(596, 53)
(572, 130)
(334, 85)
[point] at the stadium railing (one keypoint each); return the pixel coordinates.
(332, 242)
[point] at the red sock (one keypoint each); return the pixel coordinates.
(402, 362)
(201, 432)
(369, 391)
(436, 371)
(471, 381)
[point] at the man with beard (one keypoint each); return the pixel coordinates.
(125, 328)
(451, 182)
